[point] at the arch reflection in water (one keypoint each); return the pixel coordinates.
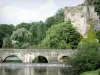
(28, 70)
(11, 71)
(40, 70)
(40, 59)
(12, 58)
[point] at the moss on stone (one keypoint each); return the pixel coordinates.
(91, 33)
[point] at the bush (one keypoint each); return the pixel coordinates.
(87, 57)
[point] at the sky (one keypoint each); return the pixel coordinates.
(17, 11)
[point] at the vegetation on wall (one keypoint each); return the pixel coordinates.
(91, 33)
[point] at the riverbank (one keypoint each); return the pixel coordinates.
(96, 72)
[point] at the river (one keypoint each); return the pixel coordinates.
(33, 69)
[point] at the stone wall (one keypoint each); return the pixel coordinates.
(79, 17)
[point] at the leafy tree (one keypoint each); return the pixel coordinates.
(55, 19)
(59, 16)
(5, 31)
(38, 31)
(7, 43)
(61, 35)
(50, 21)
(33, 30)
(23, 25)
(21, 35)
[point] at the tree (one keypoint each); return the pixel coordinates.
(7, 43)
(63, 32)
(33, 30)
(38, 30)
(55, 19)
(5, 31)
(22, 36)
(59, 16)
(23, 25)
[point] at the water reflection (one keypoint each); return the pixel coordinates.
(40, 71)
(28, 70)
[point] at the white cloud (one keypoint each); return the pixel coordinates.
(14, 14)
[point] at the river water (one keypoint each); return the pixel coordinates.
(33, 70)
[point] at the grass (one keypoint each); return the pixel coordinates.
(96, 72)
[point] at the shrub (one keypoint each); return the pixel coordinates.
(87, 57)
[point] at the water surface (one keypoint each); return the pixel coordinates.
(34, 70)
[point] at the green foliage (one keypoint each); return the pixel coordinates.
(33, 32)
(56, 19)
(63, 45)
(26, 46)
(91, 33)
(5, 31)
(87, 57)
(23, 25)
(98, 35)
(87, 45)
(60, 36)
(7, 43)
(21, 36)
(38, 32)
(59, 16)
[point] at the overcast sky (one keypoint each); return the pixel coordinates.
(17, 11)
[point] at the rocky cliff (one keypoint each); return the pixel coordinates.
(79, 16)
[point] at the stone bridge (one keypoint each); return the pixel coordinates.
(28, 55)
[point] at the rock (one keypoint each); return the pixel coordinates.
(80, 18)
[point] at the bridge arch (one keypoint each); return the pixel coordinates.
(63, 58)
(12, 55)
(40, 59)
